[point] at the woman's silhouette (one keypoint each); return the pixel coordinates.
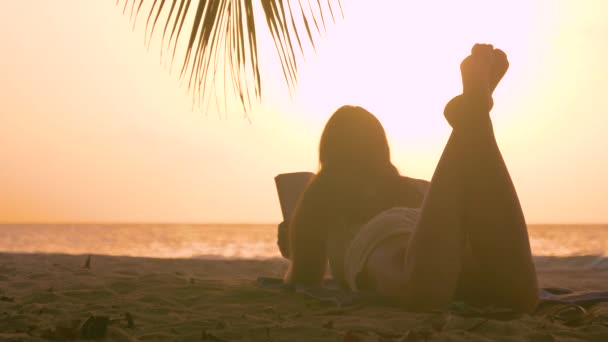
(461, 236)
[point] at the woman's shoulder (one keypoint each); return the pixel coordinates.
(421, 185)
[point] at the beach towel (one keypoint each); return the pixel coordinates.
(560, 304)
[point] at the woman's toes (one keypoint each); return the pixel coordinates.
(482, 49)
(499, 54)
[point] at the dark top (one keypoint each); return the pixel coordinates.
(343, 231)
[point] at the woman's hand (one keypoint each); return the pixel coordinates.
(283, 239)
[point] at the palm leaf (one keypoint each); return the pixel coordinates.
(224, 35)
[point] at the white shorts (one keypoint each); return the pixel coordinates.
(388, 224)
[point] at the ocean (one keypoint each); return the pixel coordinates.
(569, 245)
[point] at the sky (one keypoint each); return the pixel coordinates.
(95, 128)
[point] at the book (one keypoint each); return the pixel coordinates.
(290, 186)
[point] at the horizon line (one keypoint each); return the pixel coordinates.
(233, 223)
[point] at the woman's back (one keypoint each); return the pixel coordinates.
(356, 182)
(355, 202)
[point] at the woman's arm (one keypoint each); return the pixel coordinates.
(308, 238)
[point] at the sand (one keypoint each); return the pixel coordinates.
(50, 296)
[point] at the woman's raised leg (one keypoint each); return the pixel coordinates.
(471, 204)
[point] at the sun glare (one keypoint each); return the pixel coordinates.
(98, 128)
(403, 65)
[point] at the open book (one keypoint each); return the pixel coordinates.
(290, 187)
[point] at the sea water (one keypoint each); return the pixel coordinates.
(583, 245)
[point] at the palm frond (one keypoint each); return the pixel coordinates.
(224, 35)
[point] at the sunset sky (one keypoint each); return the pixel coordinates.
(93, 127)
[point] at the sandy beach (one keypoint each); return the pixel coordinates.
(51, 296)
(158, 158)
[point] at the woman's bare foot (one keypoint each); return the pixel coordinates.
(476, 72)
(500, 65)
(481, 72)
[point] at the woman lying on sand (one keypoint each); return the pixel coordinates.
(461, 236)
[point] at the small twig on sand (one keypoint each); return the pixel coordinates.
(129, 319)
(87, 263)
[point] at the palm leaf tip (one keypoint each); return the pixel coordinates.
(224, 34)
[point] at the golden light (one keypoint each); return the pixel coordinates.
(98, 130)
(401, 61)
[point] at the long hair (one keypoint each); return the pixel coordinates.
(355, 182)
(354, 140)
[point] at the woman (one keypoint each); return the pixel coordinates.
(464, 237)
